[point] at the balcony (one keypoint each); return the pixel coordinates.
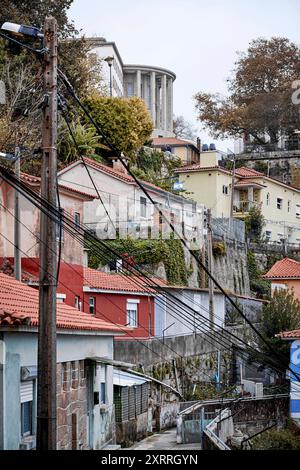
(242, 208)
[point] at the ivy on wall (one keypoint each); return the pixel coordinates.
(150, 252)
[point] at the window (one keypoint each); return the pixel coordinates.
(225, 189)
(77, 219)
(77, 302)
(92, 304)
(26, 398)
(268, 235)
(279, 203)
(130, 89)
(289, 206)
(60, 227)
(280, 237)
(102, 384)
(298, 211)
(26, 418)
(132, 313)
(268, 199)
(143, 206)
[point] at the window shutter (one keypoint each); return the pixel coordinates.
(26, 391)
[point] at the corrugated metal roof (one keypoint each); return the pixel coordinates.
(127, 379)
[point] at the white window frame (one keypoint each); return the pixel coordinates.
(92, 305)
(132, 312)
(268, 199)
(143, 207)
(298, 211)
(78, 303)
(26, 396)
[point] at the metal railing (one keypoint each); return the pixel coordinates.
(245, 206)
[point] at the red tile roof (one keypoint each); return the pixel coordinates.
(244, 172)
(117, 174)
(295, 334)
(37, 181)
(19, 305)
(284, 269)
(162, 141)
(117, 282)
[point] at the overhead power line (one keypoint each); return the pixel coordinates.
(47, 205)
(184, 242)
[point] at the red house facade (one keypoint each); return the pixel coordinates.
(120, 299)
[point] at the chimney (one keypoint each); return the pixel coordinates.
(117, 164)
(199, 144)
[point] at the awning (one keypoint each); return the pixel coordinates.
(127, 379)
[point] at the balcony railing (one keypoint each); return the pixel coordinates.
(243, 207)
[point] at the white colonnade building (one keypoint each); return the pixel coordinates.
(153, 84)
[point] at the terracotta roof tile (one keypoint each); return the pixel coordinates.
(295, 334)
(19, 305)
(285, 268)
(247, 172)
(106, 281)
(37, 181)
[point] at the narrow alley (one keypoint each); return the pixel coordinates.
(163, 441)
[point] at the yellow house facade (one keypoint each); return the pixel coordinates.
(186, 150)
(279, 203)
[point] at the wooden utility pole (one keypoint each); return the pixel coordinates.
(17, 254)
(46, 398)
(232, 188)
(210, 268)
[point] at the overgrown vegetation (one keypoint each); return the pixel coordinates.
(277, 439)
(20, 116)
(281, 314)
(218, 249)
(254, 223)
(259, 286)
(125, 121)
(150, 253)
(156, 167)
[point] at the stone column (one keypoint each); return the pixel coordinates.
(153, 96)
(164, 102)
(158, 104)
(138, 83)
(170, 105)
(250, 198)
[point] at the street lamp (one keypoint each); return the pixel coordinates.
(22, 30)
(109, 60)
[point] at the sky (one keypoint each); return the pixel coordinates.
(196, 39)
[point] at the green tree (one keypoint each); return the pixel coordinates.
(259, 101)
(125, 121)
(156, 167)
(87, 139)
(277, 439)
(281, 314)
(254, 224)
(259, 286)
(20, 116)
